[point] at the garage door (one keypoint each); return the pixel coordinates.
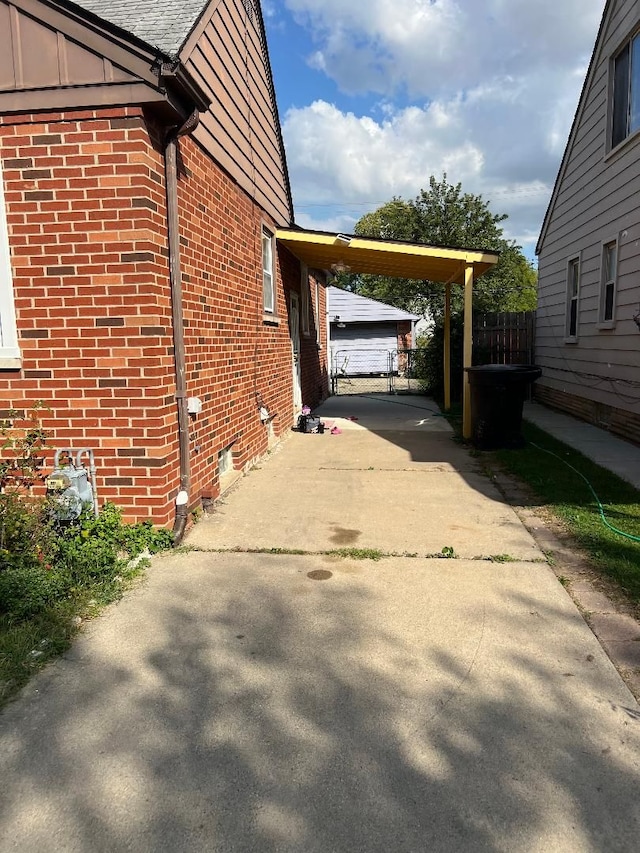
(362, 348)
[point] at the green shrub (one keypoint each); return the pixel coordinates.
(44, 560)
(54, 573)
(29, 590)
(26, 534)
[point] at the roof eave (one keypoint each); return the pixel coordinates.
(570, 139)
(394, 259)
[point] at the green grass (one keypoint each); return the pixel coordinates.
(53, 576)
(567, 496)
(26, 645)
(356, 553)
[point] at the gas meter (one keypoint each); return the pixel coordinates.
(72, 485)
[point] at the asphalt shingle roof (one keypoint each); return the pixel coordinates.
(164, 24)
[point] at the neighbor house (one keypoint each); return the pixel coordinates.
(144, 297)
(367, 336)
(588, 319)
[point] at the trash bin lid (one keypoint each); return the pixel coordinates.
(488, 374)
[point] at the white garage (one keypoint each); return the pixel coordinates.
(365, 334)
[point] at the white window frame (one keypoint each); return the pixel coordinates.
(10, 356)
(630, 93)
(317, 313)
(305, 296)
(268, 272)
(608, 282)
(573, 264)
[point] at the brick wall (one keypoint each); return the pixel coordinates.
(236, 361)
(86, 211)
(86, 218)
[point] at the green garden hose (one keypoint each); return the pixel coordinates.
(600, 507)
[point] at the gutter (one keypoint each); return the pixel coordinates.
(175, 279)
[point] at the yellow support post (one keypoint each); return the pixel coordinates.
(447, 347)
(468, 350)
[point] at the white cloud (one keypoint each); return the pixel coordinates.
(492, 89)
(435, 46)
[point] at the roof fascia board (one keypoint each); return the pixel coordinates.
(586, 86)
(186, 85)
(99, 95)
(464, 256)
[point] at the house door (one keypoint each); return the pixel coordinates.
(294, 327)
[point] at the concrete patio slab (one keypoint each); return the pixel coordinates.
(234, 704)
(385, 412)
(376, 485)
(382, 450)
(393, 511)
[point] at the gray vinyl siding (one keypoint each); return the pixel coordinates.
(227, 57)
(597, 199)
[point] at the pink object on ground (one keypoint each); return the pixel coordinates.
(336, 431)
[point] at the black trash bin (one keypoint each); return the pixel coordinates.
(497, 394)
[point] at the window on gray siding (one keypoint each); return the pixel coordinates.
(626, 91)
(268, 289)
(609, 276)
(573, 289)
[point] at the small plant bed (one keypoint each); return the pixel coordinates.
(54, 574)
(57, 567)
(561, 491)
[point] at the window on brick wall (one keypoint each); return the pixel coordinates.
(9, 350)
(316, 312)
(304, 299)
(268, 274)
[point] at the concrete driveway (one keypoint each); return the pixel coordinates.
(251, 701)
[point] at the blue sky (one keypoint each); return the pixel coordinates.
(377, 95)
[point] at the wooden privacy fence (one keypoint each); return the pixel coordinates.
(504, 338)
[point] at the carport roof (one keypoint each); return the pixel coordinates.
(322, 250)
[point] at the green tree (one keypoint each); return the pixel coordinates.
(445, 216)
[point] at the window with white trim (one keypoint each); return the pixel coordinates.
(318, 318)
(573, 295)
(268, 277)
(304, 299)
(9, 350)
(626, 91)
(608, 283)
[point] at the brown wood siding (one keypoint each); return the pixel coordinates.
(48, 60)
(598, 199)
(240, 129)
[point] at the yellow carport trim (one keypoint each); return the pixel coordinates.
(381, 257)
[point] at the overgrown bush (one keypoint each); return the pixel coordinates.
(53, 573)
(43, 560)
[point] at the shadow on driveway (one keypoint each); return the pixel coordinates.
(233, 704)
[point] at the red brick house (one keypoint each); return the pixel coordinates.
(144, 178)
